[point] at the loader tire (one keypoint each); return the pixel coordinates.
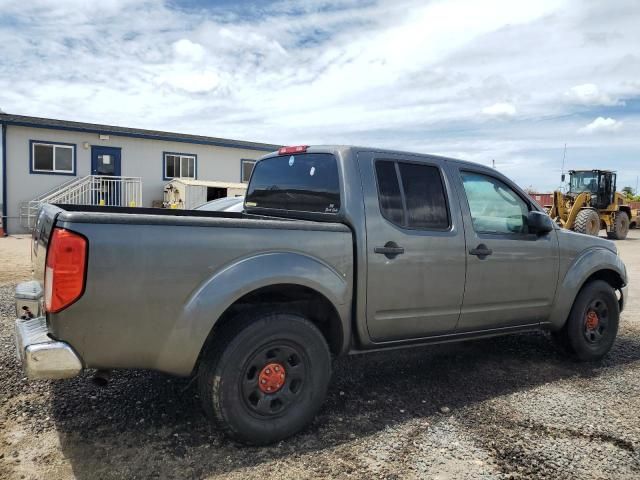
(588, 222)
(620, 227)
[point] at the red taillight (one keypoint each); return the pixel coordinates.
(64, 274)
(296, 149)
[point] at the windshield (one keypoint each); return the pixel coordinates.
(584, 182)
(306, 183)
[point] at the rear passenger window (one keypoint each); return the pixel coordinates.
(424, 194)
(389, 192)
(415, 200)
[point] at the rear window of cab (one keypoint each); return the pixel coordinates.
(306, 182)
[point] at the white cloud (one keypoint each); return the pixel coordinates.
(187, 50)
(502, 109)
(399, 74)
(602, 125)
(590, 94)
(193, 82)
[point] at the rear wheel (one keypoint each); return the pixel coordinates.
(620, 227)
(587, 222)
(592, 325)
(265, 376)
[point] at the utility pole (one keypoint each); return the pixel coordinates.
(564, 156)
(493, 163)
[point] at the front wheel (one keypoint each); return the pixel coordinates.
(592, 325)
(265, 376)
(587, 222)
(620, 227)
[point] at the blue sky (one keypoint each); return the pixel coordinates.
(492, 80)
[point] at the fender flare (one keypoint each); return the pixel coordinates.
(215, 295)
(589, 262)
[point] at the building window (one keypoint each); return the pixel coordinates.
(179, 165)
(246, 169)
(48, 157)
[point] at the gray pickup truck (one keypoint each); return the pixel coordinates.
(339, 250)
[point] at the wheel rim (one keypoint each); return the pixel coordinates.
(596, 321)
(273, 379)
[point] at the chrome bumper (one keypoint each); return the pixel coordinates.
(28, 300)
(41, 356)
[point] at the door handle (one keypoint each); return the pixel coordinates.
(390, 250)
(481, 251)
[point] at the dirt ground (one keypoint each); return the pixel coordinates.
(15, 259)
(510, 407)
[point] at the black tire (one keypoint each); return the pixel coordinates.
(620, 227)
(587, 222)
(240, 355)
(584, 339)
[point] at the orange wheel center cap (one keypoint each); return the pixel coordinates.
(591, 322)
(271, 378)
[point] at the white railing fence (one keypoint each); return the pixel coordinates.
(90, 190)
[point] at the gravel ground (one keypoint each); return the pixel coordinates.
(510, 407)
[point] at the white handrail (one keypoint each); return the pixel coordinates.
(59, 187)
(102, 190)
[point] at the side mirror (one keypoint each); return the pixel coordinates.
(539, 222)
(562, 177)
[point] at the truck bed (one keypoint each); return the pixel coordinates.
(157, 279)
(156, 216)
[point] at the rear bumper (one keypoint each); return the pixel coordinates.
(41, 356)
(28, 299)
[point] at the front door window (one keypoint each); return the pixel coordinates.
(495, 208)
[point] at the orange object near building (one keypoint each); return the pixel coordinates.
(542, 198)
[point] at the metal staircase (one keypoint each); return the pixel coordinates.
(89, 190)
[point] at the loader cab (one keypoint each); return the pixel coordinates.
(600, 183)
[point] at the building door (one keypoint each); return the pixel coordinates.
(105, 163)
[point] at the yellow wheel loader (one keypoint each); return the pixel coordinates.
(592, 204)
